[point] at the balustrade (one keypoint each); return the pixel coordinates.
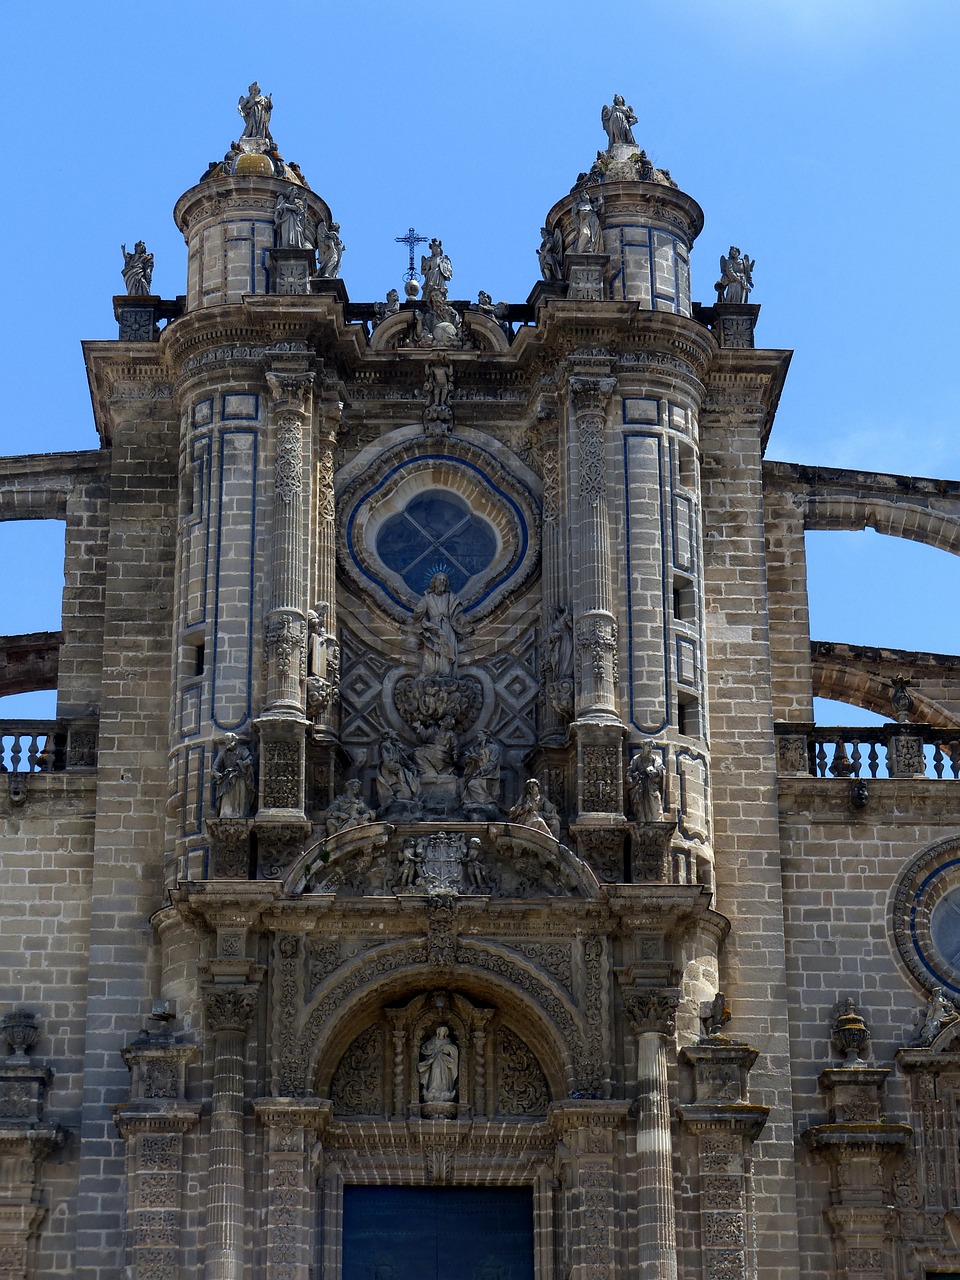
(876, 751)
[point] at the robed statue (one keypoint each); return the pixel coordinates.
(439, 1067)
(439, 620)
(617, 121)
(736, 277)
(256, 109)
(137, 270)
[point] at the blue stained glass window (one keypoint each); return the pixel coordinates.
(436, 533)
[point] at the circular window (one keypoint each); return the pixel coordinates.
(436, 533)
(926, 921)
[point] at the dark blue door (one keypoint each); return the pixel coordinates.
(437, 1233)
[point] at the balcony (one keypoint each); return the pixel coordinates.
(47, 746)
(876, 751)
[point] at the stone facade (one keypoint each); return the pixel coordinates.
(434, 799)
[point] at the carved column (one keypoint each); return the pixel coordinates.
(594, 620)
(152, 1125)
(652, 1015)
(861, 1152)
(229, 1010)
(724, 1125)
(588, 1176)
(291, 1153)
(25, 1142)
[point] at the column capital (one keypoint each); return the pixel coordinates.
(230, 1009)
(290, 389)
(652, 1011)
(590, 394)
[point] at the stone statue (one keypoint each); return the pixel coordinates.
(550, 254)
(256, 110)
(939, 1013)
(439, 1067)
(560, 644)
(535, 811)
(645, 783)
(436, 759)
(617, 121)
(586, 216)
(736, 277)
(410, 865)
(436, 269)
(437, 324)
(437, 386)
(496, 311)
(439, 620)
(471, 867)
(234, 778)
(397, 778)
(290, 221)
(481, 777)
(331, 251)
(348, 810)
(384, 310)
(137, 270)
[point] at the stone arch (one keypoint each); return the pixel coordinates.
(896, 519)
(528, 1001)
(841, 682)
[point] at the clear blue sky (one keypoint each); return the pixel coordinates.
(819, 135)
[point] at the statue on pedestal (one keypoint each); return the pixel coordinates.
(436, 269)
(137, 270)
(617, 121)
(586, 216)
(439, 1068)
(234, 778)
(440, 624)
(255, 108)
(550, 255)
(646, 778)
(290, 221)
(330, 251)
(736, 277)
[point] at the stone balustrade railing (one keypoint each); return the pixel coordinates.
(882, 751)
(47, 746)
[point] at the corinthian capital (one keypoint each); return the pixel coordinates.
(653, 1011)
(290, 390)
(590, 395)
(230, 1009)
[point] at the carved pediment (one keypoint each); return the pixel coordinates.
(497, 860)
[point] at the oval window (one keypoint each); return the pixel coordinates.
(436, 532)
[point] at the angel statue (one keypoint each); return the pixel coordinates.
(137, 270)
(736, 277)
(255, 108)
(617, 121)
(550, 254)
(437, 269)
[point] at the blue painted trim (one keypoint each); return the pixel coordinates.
(202, 454)
(667, 682)
(240, 395)
(678, 755)
(685, 640)
(452, 460)
(255, 438)
(914, 908)
(191, 752)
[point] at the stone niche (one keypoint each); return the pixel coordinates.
(482, 1065)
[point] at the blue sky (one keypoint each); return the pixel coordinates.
(819, 136)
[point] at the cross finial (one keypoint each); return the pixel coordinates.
(411, 240)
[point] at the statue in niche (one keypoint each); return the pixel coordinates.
(437, 387)
(481, 779)
(586, 216)
(234, 778)
(646, 779)
(439, 620)
(384, 310)
(535, 811)
(618, 121)
(137, 270)
(437, 758)
(411, 865)
(736, 277)
(439, 1068)
(436, 269)
(330, 251)
(550, 255)
(560, 644)
(348, 810)
(290, 221)
(471, 868)
(256, 109)
(397, 779)
(323, 662)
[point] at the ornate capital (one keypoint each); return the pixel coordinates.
(591, 395)
(230, 1009)
(290, 390)
(653, 1011)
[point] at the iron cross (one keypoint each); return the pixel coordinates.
(411, 240)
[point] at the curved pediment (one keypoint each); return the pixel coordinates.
(472, 859)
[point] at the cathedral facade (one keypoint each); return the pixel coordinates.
(434, 866)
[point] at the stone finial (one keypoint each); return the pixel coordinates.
(850, 1036)
(901, 701)
(716, 1016)
(21, 1031)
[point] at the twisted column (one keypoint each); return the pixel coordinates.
(594, 620)
(652, 1016)
(229, 1010)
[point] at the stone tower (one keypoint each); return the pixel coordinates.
(417, 747)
